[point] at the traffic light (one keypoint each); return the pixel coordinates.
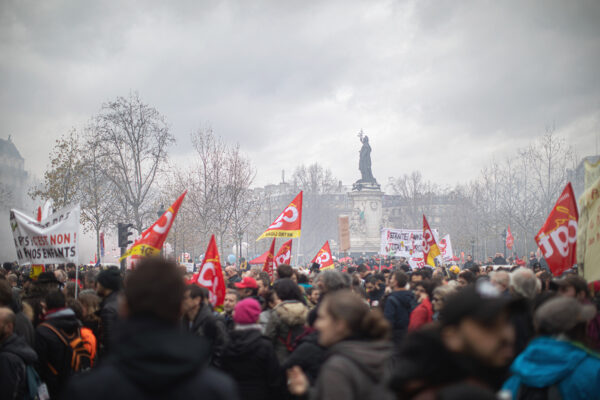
(124, 234)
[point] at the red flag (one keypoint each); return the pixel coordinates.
(510, 240)
(39, 214)
(211, 274)
(269, 264)
(430, 247)
(289, 222)
(154, 237)
(284, 255)
(323, 257)
(558, 236)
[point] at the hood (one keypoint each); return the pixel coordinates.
(292, 312)
(242, 341)
(156, 355)
(405, 297)
(64, 319)
(547, 361)
(17, 345)
(372, 357)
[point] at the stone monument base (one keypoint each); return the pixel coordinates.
(365, 221)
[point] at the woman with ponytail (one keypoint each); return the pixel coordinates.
(359, 352)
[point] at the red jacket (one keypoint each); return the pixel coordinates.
(421, 315)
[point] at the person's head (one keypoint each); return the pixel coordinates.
(285, 271)
(469, 257)
(313, 295)
(573, 286)
(286, 289)
(263, 282)
(476, 322)
(465, 278)
(7, 323)
(371, 284)
(564, 315)
(60, 275)
(532, 255)
(6, 297)
(440, 294)
(89, 280)
(90, 304)
(329, 281)
(194, 298)
(71, 267)
(12, 279)
(398, 280)
(230, 271)
(55, 300)
(69, 290)
(246, 312)
(108, 281)
(247, 287)
(423, 289)
(500, 279)
(154, 289)
(231, 299)
(416, 276)
(524, 283)
(362, 270)
(344, 314)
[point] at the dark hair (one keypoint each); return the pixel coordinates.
(286, 289)
(351, 270)
(70, 289)
(362, 268)
(155, 289)
(55, 299)
(401, 278)
(77, 308)
(427, 285)
(405, 267)
(302, 278)
(265, 278)
(235, 292)
(5, 294)
(467, 276)
(285, 271)
(197, 291)
(363, 322)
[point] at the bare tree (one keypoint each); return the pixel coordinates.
(133, 139)
(417, 195)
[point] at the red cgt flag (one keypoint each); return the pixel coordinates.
(510, 240)
(154, 237)
(211, 274)
(284, 255)
(289, 222)
(558, 237)
(323, 257)
(269, 264)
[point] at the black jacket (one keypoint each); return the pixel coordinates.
(15, 355)
(109, 314)
(209, 326)
(153, 360)
(54, 362)
(397, 308)
(308, 355)
(250, 360)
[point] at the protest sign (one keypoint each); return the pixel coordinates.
(51, 241)
(446, 249)
(407, 243)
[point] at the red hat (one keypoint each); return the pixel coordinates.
(246, 311)
(247, 282)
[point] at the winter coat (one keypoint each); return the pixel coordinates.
(421, 315)
(354, 370)
(54, 357)
(285, 325)
(24, 328)
(397, 308)
(15, 355)
(208, 325)
(153, 360)
(250, 360)
(308, 355)
(547, 361)
(109, 315)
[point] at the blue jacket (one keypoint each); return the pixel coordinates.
(547, 361)
(397, 308)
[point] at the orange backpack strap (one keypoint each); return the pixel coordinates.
(57, 332)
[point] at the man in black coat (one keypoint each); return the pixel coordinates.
(152, 358)
(249, 357)
(398, 305)
(108, 285)
(15, 355)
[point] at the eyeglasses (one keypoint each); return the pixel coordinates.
(437, 299)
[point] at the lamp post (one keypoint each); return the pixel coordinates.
(473, 249)
(240, 237)
(159, 213)
(503, 236)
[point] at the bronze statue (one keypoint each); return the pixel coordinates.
(364, 165)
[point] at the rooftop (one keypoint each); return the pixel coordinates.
(8, 149)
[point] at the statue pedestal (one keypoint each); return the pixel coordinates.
(365, 220)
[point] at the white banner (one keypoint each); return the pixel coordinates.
(406, 243)
(52, 241)
(446, 248)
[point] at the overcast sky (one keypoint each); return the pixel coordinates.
(438, 86)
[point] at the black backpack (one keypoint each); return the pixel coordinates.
(78, 358)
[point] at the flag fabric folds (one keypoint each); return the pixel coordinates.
(269, 264)
(153, 238)
(558, 236)
(284, 255)
(430, 247)
(210, 274)
(510, 240)
(289, 223)
(324, 258)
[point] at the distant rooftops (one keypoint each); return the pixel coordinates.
(8, 149)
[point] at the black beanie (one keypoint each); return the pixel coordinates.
(110, 279)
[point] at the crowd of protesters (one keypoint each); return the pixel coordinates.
(371, 330)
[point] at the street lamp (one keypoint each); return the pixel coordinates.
(159, 213)
(473, 249)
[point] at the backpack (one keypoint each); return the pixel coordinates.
(81, 359)
(36, 389)
(294, 334)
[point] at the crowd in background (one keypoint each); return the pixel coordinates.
(374, 329)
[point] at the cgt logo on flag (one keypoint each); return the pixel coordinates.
(284, 255)
(289, 223)
(323, 257)
(211, 274)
